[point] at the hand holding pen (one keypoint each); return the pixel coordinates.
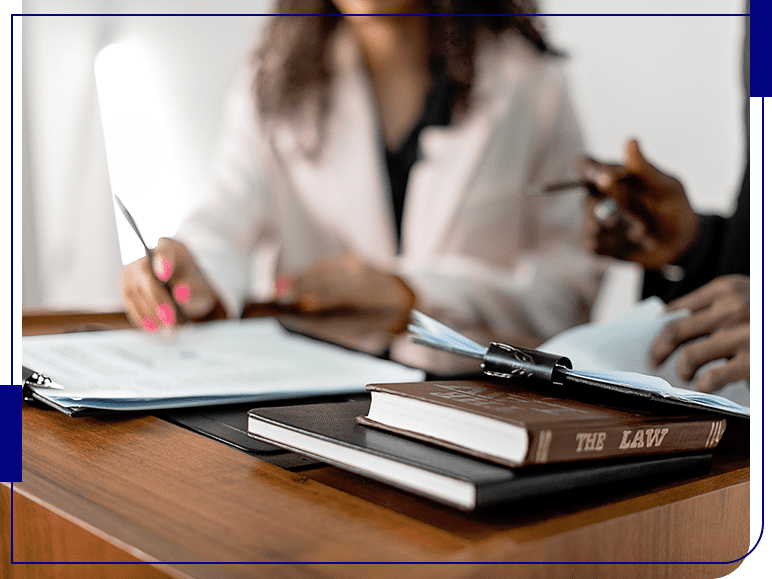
(165, 288)
(634, 211)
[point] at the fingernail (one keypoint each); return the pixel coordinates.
(182, 293)
(282, 285)
(149, 325)
(164, 270)
(165, 314)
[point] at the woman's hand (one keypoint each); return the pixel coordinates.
(656, 224)
(717, 329)
(148, 301)
(348, 282)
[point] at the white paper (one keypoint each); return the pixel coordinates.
(619, 350)
(230, 361)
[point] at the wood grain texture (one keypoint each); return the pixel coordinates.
(140, 489)
(157, 492)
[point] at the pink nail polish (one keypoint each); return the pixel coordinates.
(164, 272)
(148, 324)
(282, 285)
(182, 293)
(165, 314)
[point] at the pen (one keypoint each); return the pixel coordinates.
(557, 187)
(179, 316)
(590, 184)
(606, 211)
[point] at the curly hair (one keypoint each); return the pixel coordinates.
(294, 62)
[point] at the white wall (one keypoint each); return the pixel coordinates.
(673, 82)
(70, 250)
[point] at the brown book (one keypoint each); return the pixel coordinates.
(514, 426)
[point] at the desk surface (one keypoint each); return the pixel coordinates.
(141, 489)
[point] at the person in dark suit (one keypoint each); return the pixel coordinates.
(693, 261)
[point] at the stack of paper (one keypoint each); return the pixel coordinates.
(205, 364)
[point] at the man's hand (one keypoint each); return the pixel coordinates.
(148, 302)
(717, 329)
(656, 223)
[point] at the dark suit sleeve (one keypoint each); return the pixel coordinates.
(722, 248)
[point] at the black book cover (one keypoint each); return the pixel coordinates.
(329, 432)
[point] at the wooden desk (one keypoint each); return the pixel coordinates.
(140, 489)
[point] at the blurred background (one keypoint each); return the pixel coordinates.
(141, 95)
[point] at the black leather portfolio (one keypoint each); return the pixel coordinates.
(329, 432)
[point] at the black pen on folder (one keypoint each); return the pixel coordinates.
(178, 314)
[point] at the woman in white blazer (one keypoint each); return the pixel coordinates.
(384, 162)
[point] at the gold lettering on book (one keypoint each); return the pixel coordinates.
(543, 449)
(643, 437)
(483, 397)
(590, 441)
(716, 431)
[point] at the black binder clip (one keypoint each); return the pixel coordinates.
(31, 379)
(505, 361)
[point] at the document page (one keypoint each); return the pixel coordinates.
(234, 360)
(619, 350)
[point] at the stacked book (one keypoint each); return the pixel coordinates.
(516, 435)
(477, 443)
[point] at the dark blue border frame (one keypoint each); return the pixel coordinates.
(8, 401)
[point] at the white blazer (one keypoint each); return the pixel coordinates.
(477, 249)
